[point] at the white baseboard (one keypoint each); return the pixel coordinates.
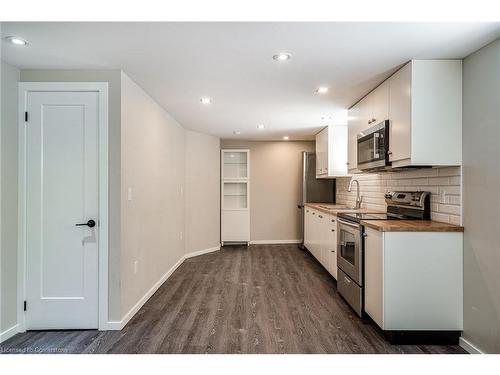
(118, 325)
(469, 347)
(8, 333)
(201, 252)
(274, 242)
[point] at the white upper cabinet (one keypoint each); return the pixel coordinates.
(359, 116)
(331, 152)
(322, 152)
(369, 111)
(400, 123)
(379, 104)
(426, 114)
(423, 103)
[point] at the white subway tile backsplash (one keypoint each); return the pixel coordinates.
(439, 181)
(449, 209)
(449, 190)
(442, 183)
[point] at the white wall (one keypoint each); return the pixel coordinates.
(481, 185)
(8, 178)
(202, 192)
(275, 187)
(153, 166)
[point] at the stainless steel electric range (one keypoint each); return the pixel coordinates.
(401, 205)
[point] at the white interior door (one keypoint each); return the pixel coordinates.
(62, 191)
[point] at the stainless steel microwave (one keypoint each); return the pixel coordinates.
(373, 147)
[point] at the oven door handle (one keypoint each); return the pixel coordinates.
(352, 225)
(376, 144)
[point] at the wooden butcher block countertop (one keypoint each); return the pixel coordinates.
(388, 225)
(411, 226)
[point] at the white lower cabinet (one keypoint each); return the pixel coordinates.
(320, 238)
(374, 271)
(414, 280)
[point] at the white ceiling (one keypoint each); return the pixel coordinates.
(178, 63)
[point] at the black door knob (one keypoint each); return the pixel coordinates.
(90, 224)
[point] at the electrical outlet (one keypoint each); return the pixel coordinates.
(181, 235)
(182, 190)
(136, 266)
(129, 194)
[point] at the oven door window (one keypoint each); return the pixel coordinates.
(348, 246)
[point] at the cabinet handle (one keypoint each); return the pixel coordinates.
(314, 213)
(333, 220)
(321, 217)
(365, 235)
(374, 119)
(369, 122)
(333, 230)
(347, 163)
(347, 281)
(389, 152)
(332, 251)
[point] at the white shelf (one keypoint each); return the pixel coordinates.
(235, 196)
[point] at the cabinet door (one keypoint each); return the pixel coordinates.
(235, 225)
(358, 121)
(322, 152)
(400, 114)
(318, 154)
(379, 104)
(374, 271)
(307, 227)
(321, 238)
(337, 151)
(314, 233)
(331, 233)
(317, 236)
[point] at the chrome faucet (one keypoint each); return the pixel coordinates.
(359, 198)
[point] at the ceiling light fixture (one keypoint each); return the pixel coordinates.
(260, 126)
(286, 138)
(16, 40)
(321, 90)
(206, 100)
(236, 132)
(282, 56)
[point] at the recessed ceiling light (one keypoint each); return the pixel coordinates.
(282, 56)
(260, 126)
(321, 90)
(326, 117)
(236, 132)
(16, 40)
(206, 100)
(286, 138)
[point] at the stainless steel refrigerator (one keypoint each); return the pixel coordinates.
(313, 190)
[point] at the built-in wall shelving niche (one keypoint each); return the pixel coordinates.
(235, 196)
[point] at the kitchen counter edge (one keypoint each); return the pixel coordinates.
(411, 226)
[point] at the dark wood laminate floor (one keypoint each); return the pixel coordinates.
(260, 299)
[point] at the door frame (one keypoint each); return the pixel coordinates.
(102, 229)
